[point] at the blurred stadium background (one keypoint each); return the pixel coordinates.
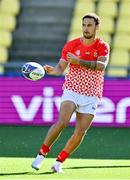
(36, 30)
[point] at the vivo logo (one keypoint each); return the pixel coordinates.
(107, 112)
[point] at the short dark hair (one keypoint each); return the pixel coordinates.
(93, 16)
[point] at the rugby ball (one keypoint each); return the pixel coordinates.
(33, 71)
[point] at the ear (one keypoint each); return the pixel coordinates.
(97, 27)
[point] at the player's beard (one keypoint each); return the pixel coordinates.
(88, 36)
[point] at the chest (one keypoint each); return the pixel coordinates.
(86, 53)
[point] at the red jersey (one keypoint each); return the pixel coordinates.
(79, 79)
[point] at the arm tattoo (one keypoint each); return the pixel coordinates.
(88, 64)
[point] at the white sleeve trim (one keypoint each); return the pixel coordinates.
(101, 62)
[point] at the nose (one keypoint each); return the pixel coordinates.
(86, 28)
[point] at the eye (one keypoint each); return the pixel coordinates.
(89, 25)
(83, 25)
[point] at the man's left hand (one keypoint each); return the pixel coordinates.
(73, 59)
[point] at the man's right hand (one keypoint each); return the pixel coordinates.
(58, 69)
(49, 69)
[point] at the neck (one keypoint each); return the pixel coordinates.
(88, 41)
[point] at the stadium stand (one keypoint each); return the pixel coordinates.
(121, 44)
(107, 8)
(125, 8)
(42, 30)
(108, 11)
(106, 36)
(120, 60)
(122, 25)
(107, 24)
(8, 11)
(10, 7)
(7, 22)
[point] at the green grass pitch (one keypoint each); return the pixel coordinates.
(104, 154)
(20, 168)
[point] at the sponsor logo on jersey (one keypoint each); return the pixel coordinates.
(87, 53)
(95, 54)
(77, 52)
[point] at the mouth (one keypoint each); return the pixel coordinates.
(86, 33)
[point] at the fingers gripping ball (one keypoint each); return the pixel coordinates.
(33, 71)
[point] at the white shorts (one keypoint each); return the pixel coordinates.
(84, 104)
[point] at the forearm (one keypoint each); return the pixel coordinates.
(94, 65)
(58, 71)
(88, 64)
(99, 65)
(60, 67)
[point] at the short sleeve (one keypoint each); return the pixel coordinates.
(67, 48)
(104, 50)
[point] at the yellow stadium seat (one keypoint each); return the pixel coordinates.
(105, 36)
(3, 55)
(107, 8)
(84, 7)
(7, 22)
(107, 24)
(119, 58)
(125, 9)
(122, 41)
(77, 24)
(10, 6)
(122, 25)
(76, 28)
(5, 38)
